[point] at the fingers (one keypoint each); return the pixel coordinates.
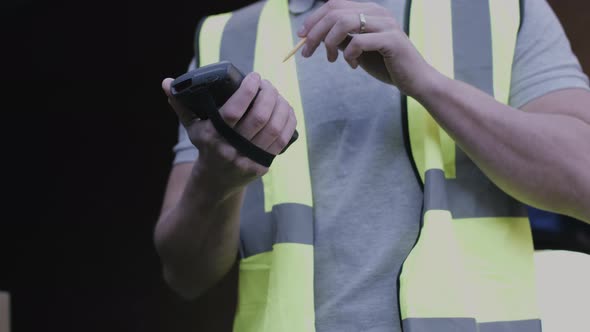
(269, 124)
(260, 113)
(339, 18)
(319, 31)
(380, 42)
(234, 108)
(281, 142)
(347, 23)
(166, 86)
(275, 125)
(315, 17)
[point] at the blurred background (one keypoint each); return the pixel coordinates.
(87, 149)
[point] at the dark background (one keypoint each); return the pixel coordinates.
(87, 138)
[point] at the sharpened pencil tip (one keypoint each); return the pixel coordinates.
(294, 50)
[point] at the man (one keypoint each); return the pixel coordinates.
(367, 202)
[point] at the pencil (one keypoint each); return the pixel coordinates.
(298, 46)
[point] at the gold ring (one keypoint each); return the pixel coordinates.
(363, 22)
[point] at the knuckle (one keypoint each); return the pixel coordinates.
(251, 91)
(249, 87)
(312, 39)
(307, 22)
(260, 118)
(330, 43)
(232, 115)
(273, 130)
(334, 4)
(291, 114)
(202, 134)
(392, 24)
(270, 100)
(226, 152)
(281, 101)
(243, 165)
(343, 22)
(332, 17)
(283, 140)
(351, 50)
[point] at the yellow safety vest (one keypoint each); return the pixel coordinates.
(471, 269)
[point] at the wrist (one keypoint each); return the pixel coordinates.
(208, 181)
(432, 85)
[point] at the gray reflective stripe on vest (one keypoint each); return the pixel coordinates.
(256, 230)
(471, 194)
(472, 43)
(259, 230)
(464, 201)
(239, 37)
(468, 325)
(291, 223)
(530, 325)
(439, 325)
(435, 195)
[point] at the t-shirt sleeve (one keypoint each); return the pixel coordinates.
(184, 150)
(543, 60)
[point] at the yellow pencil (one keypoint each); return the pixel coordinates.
(298, 46)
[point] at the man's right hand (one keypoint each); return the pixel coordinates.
(269, 124)
(197, 234)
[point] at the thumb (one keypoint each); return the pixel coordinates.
(166, 86)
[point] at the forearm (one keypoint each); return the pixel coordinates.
(540, 159)
(198, 238)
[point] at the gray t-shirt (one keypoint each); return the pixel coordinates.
(366, 198)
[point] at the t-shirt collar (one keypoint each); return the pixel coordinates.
(300, 6)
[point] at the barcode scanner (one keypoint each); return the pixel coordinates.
(204, 90)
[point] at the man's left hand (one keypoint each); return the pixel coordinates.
(383, 49)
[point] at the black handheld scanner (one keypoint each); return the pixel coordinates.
(204, 90)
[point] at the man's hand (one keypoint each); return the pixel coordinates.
(197, 234)
(269, 124)
(383, 50)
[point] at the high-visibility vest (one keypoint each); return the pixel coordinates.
(471, 269)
